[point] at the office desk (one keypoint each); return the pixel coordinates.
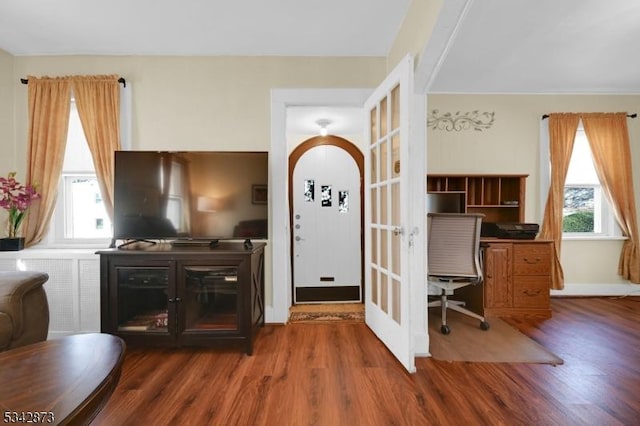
(517, 279)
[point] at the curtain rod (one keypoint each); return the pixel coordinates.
(634, 115)
(120, 80)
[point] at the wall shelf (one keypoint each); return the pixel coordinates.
(501, 198)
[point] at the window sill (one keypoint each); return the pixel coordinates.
(50, 253)
(80, 245)
(71, 246)
(594, 238)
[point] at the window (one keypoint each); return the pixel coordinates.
(84, 214)
(586, 211)
(80, 216)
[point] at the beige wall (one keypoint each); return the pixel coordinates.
(201, 102)
(511, 145)
(7, 144)
(7, 128)
(415, 31)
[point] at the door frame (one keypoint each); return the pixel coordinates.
(279, 301)
(358, 156)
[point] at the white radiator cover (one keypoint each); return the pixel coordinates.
(73, 288)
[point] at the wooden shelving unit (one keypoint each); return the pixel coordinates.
(501, 198)
(517, 273)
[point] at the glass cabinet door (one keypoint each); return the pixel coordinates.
(143, 299)
(211, 298)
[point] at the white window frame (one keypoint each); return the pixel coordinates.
(609, 228)
(55, 236)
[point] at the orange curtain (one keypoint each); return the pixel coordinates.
(609, 141)
(562, 132)
(98, 102)
(49, 104)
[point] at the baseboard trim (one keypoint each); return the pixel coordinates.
(270, 316)
(421, 345)
(617, 289)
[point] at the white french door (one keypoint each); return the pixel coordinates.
(393, 265)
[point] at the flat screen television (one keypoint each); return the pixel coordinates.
(190, 195)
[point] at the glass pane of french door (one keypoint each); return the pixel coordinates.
(385, 204)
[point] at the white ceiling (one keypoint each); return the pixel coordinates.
(201, 27)
(497, 46)
(544, 46)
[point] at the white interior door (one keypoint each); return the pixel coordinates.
(389, 231)
(326, 220)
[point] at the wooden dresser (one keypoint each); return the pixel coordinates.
(517, 278)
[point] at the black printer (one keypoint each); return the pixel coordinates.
(520, 231)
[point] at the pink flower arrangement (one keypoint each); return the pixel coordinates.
(16, 199)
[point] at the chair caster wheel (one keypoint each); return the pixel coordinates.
(445, 329)
(484, 325)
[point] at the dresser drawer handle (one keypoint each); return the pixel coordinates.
(532, 292)
(532, 262)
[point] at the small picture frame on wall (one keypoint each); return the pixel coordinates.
(259, 194)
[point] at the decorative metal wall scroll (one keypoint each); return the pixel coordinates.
(449, 122)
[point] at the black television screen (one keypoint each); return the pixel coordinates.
(190, 195)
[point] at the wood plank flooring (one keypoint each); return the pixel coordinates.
(340, 374)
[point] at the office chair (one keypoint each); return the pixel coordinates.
(454, 260)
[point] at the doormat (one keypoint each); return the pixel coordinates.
(346, 312)
(467, 342)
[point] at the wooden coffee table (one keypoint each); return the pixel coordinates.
(59, 381)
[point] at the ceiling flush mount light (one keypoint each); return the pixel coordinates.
(323, 123)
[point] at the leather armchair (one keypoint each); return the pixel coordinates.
(24, 309)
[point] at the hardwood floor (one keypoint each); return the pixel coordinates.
(340, 374)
